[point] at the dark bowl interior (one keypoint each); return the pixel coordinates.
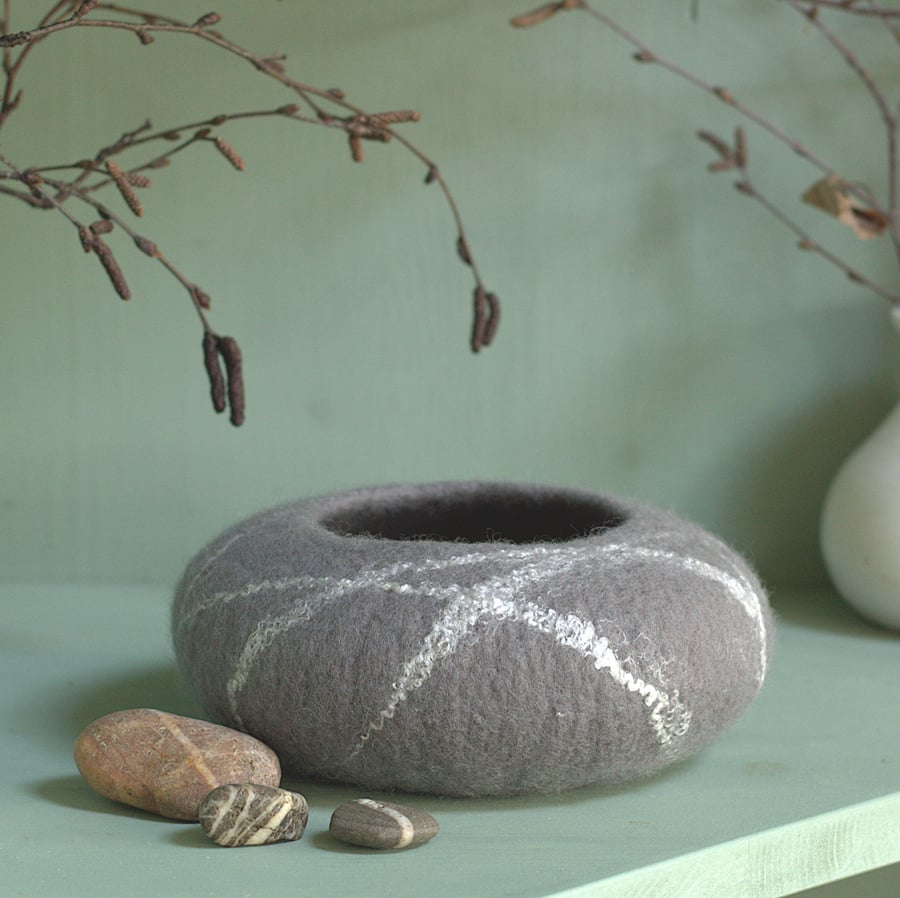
(492, 513)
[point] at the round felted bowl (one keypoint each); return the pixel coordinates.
(472, 639)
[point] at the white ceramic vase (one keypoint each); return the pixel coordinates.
(860, 527)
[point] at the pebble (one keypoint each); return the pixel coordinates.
(381, 824)
(250, 814)
(167, 764)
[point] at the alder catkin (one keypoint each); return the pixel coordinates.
(213, 371)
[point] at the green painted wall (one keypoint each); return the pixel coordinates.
(662, 337)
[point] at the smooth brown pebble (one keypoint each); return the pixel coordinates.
(249, 814)
(381, 824)
(167, 764)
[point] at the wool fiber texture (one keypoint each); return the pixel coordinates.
(472, 639)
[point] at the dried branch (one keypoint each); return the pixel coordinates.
(889, 116)
(852, 203)
(853, 7)
(56, 186)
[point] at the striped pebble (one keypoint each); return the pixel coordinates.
(248, 814)
(380, 824)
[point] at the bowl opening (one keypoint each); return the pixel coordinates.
(490, 514)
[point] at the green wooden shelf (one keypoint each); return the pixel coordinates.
(803, 790)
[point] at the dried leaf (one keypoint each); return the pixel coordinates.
(832, 195)
(432, 174)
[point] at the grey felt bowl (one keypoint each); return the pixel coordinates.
(472, 639)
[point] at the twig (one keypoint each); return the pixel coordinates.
(325, 108)
(889, 117)
(736, 158)
(880, 12)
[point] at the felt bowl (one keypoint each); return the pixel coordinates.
(472, 639)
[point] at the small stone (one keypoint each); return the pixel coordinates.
(167, 764)
(381, 824)
(250, 814)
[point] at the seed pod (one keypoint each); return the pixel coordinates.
(490, 328)
(111, 266)
(724, 95)
(462, 248)
(740, 147)
(137, 180)
(397, 116)
(125, 189)
(228, 151)
(15, 39)
(200, 296)
(211, 18)
(231, 355)
(479, 319)
(213, 371)
(147, 247)
(536, 16)
(356, 150)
